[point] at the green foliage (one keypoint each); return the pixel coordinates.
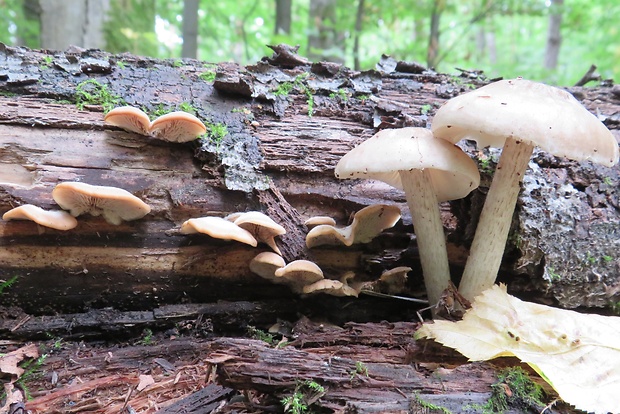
(31, 371)
(430, 407)
(523, 392)
(360, 369)
(342, 94)
(91, 92)
(147, 337)
(306, 393)
(5, 284)
(209, 74)
(47, 62)
(260, 335)
(216, 132)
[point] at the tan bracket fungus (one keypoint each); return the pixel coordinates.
(177, 126)
(114, 204)
(429, 170)
(218, 228)
(517, 115)
(54, 219)
(261, 226)
(367, 224)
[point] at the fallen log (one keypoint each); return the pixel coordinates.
(277, 154)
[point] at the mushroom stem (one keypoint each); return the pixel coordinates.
(487, 249)
(428, 228)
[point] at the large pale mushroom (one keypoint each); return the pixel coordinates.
(517, 114)
(114, 204)
(429, 170)
(299, 273)
(55, 219)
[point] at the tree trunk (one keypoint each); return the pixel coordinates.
(432, 54)
(359, 17)
(190, 29)
(77, 23)
(325, 38)
(283, 17)
(554, 35)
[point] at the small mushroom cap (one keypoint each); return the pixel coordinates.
(129, 118)
(367, 224)
(548, 117)
(177, 126)
(115, 204)
(319, 220)
(55, 219)
(261, 226)
(393, 281)
(218, 228)
(381, 157)
(330, 287)
(265, 265)
(300, 273)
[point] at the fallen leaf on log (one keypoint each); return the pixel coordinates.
(577, 354)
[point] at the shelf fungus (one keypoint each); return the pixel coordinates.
(367, 224)
(54, 219)
(261, 226)
(114, 204)
(177, 126)
(218, 228)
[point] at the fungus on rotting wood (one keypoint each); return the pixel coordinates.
(218, 228)
(517, 114)
(429, 170)
(55, 219)
(177, 126)
(300, 273)
(367, 224)
(114, 204)
(261, 226)
(265, 265)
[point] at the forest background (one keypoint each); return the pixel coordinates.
(554, 41)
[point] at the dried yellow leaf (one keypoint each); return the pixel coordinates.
(577, 354)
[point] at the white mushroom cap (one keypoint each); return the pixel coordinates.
(218, 228)
(129, 118)
(265, 265)
(115, 204)
(177, 126)
(55, 219)
(367, 224)
(381, 157)
(261, 226)
(545, 116)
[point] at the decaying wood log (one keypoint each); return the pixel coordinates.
(363, 367)
(278, 156)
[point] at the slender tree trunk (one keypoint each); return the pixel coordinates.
(283, 17)
(554, 35)
(79, 23)
(190, 29)
(325, 40)
(358, 32)
(432, 54)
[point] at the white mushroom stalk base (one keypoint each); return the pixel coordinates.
(428, 228)
(489, 242)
